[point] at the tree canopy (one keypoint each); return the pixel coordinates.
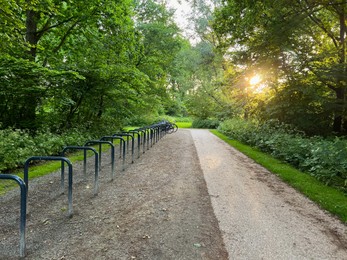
(299, 49)
(93, 63)
(98, 63)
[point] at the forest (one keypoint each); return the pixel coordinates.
(272, 74)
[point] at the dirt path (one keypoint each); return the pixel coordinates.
(261, 217)
(160, 208)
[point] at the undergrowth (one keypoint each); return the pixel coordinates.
(323, 158)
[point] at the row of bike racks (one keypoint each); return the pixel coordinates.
(146, 138)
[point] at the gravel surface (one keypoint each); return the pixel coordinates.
(190, 196)
(158, 208)
(260, 216)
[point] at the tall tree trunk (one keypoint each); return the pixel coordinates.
(340, 119)
(101, 104)
(339, 110)
(30, 101)
(342, 43)
(31, 35)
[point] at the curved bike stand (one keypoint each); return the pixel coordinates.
(132, 143)
(23, 209)
(133, 132)
(91, 142)
(96, 155)
(51, 158)
(122, 144)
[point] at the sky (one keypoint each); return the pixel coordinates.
(183, 10)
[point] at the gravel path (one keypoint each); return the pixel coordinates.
(190, 197)
(261, 217)
(158, 208)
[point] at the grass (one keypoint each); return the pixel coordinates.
(326, 197)
(184, 124)
(45, 168)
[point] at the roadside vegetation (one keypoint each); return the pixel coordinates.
(18, 145)
(37, 171)
(323, 158)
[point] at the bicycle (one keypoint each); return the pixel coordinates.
(170, 127)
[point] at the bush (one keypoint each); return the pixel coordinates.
(15, 147)
(325, 159)
(18, 145)
(141, 120)
(237, 129)
(205, 123)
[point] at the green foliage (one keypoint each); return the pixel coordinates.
(298, 47)
(304, 104)
(141, 120)
(181, 119)
(328, 198)
(18, 145)
(210, 123)
(324, 159)
(184, 124)
(86, 64)
(205, 98)
(24, 85)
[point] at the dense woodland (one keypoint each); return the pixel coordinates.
(72, 68)
(67, 64)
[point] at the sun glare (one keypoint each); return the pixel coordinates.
(255, 80)
(256, 84)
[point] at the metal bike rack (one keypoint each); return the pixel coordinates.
(91, 142)
(23, 209)
(163, 130)
(145, 131)
(152, 131)
(148, 131)
(143, 139)
(154, 134)
(122, 142)
(138, 140)
(121, 134)
(96, 155)
(159, 128)
(146, 136)
(52, 158)
(132, 143)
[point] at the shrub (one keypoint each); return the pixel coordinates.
(324, 159)
(17, 146)
(205, 123)
(141, 120)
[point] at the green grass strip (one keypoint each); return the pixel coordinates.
(326, 197)
(184, 124)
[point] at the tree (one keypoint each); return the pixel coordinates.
(201, 89)
(21, 78)
(292, 41)
(94, 38)
(161, 41)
